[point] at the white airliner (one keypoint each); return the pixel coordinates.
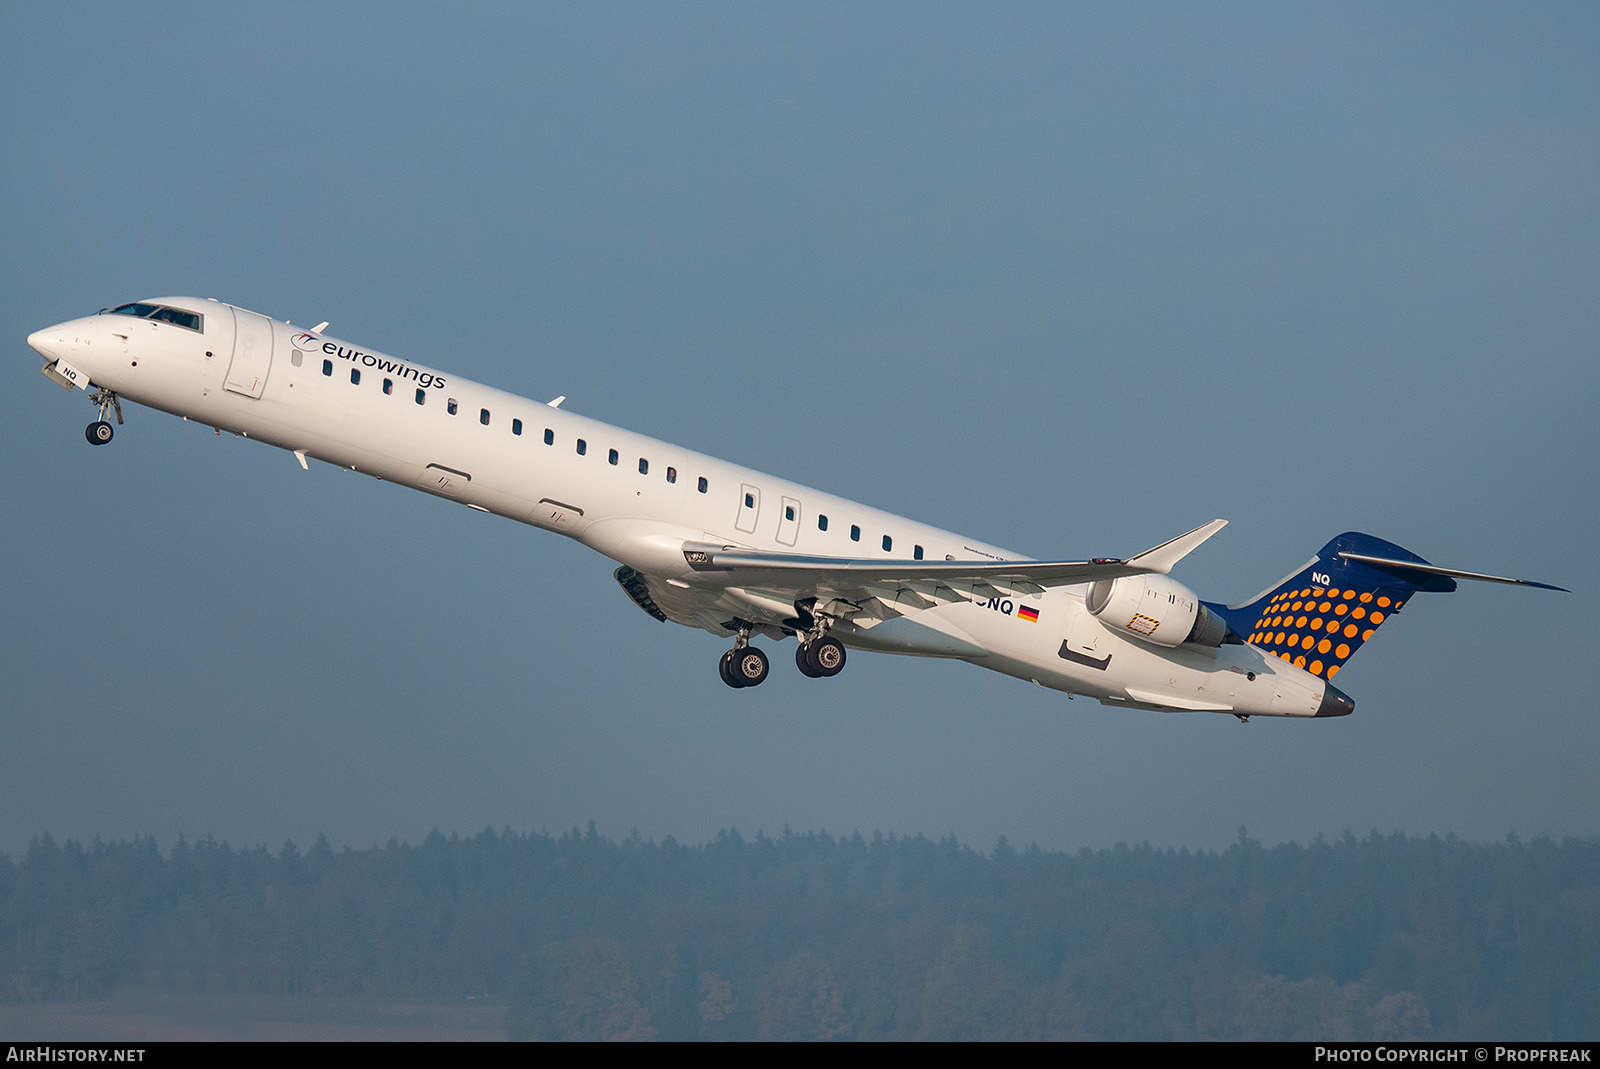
(738, 553)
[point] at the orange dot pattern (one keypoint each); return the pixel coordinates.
(1319, 629)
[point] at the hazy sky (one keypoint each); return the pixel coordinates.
(1071, 279)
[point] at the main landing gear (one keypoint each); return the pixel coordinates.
(820, 658)
(746, 666)
(100, 432)
(743, 667)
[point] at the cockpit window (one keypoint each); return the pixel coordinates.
(179, 317)
(162, 314)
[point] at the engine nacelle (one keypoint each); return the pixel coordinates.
(1157, 610)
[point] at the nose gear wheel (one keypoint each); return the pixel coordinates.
(101, 431)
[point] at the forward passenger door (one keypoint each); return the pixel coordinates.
(252, 353)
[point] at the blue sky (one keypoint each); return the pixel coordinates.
(1071, 279)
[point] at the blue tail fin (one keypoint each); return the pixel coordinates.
(1318, 617)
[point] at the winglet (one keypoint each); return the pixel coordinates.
(1161, 558)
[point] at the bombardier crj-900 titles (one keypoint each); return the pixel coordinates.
(710, 544)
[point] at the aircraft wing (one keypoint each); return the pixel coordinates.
(892, 587)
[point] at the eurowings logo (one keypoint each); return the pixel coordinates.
(305, 340)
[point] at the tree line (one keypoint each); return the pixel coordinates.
(808, 936)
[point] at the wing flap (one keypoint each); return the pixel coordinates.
(740, 566)
(846, 572)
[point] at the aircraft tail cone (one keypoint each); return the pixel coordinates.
(1335, 702)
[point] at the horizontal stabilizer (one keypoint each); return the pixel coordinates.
(1324, 611)
(1401, 567)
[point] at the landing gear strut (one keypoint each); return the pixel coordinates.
(818, 655)
(100, 432)
(744, 665)
(743, 668)
(820, 658)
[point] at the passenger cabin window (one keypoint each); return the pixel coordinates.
(672, 475)
(451, 407)
(355, 376)
(788, 512)
(422, 396)
(583, 447)
(916, 552)
(749, 501)
(388, 386)
(855, 533)
(483, 416)
(516, 427)
(549, 436)
(887, 543)
(703, 484)
(160, 313)
(822, 522)
(612, 456)
(644, 466)
(327, 368)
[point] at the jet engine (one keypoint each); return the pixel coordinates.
(1157, 610)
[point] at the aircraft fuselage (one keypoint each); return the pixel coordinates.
(640, 501)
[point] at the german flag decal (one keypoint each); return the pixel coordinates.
(1030, 615)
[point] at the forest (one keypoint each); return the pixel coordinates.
(805, 936)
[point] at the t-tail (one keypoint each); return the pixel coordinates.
(1319, 616)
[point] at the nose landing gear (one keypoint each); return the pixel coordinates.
(101, 431)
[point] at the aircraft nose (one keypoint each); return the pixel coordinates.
(48, 342)
(1335, 702)
(69, 340)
